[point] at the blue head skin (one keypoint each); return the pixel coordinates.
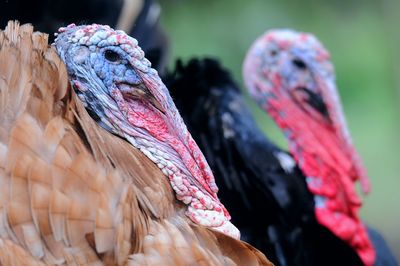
(100, 67)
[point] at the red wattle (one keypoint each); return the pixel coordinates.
(322, 156)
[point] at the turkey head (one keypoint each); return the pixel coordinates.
(291, 77)
(125, 95)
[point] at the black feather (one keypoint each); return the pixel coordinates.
(49, 15)
(151, 36)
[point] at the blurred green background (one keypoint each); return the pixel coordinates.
(363, 39)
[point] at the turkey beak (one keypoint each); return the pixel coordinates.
(141, 92)
(147, 96)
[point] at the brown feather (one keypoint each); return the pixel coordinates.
(71, 193)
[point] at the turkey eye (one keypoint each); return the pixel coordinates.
(299, 63)
(112, 56)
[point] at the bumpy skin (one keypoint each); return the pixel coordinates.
(290, 76)
(126, 96)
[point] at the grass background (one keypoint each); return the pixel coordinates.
(363, 39)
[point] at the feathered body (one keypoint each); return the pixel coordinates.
(72, 193)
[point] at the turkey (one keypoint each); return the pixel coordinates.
(255, 178)
(139, 18)
(290, 76)
(71, 192)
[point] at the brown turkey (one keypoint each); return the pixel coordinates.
(71, 192)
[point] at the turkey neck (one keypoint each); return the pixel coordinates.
(163, 137)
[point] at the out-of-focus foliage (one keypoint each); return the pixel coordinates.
(363, 38)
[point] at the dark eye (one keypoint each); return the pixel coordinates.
(273, 52)
(112, 56)
(299, 63)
